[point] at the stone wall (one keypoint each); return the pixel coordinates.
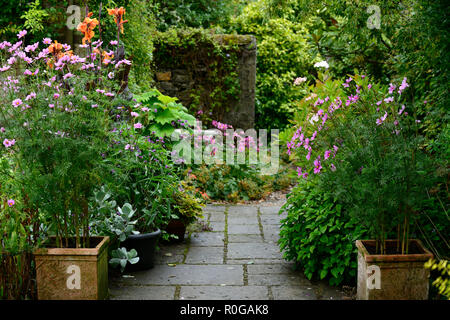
(183, 82)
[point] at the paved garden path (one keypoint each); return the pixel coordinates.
(238, 260)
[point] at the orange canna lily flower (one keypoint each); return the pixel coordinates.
(107, 57)
(118, 14)
(55, 48)
(87, 27)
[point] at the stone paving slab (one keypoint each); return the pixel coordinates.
(274, 210)
(279, 268)
(217, 217)
(253, 220)
(293, 293)
(254, 261)
(207, 239)
(217, 226)
(242, 238)
(142, 293)
(169, 259)
(242, 210)
(271, 220)
(224, 293)
(243, 229)
(205, 255)
(277, 280)
(233, 262)
(184, 274)
(253, 251)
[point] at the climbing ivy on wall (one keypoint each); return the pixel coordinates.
(211, 63)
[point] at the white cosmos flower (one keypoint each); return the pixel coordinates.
(314, 118)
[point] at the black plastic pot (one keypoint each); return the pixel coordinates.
(178, 228)
(145, 245)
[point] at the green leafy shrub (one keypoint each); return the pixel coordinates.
(319, 235)
(163, 114)
(187, 207)
(283, 55)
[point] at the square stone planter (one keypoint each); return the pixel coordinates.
(392, 276)
(73, 274)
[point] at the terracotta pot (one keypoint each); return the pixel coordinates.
(145, 245)
(73, 274)
(177, 228)
(392, 276)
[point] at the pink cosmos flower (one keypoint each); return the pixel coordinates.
(138, 125)
(9, 143)
(68, 75)
(333, 167)
(32, 95)
(56, 96)
(47, 41)
(327, 154)
(369, 86)
(403, 86)
(134, 114)
(145, 109)
(17, 103)
(114, 43)
(11, 202)
(2, 129)
(389, 99)
(308, 156)
(391, 88)
(317, 166)
(22, 34)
